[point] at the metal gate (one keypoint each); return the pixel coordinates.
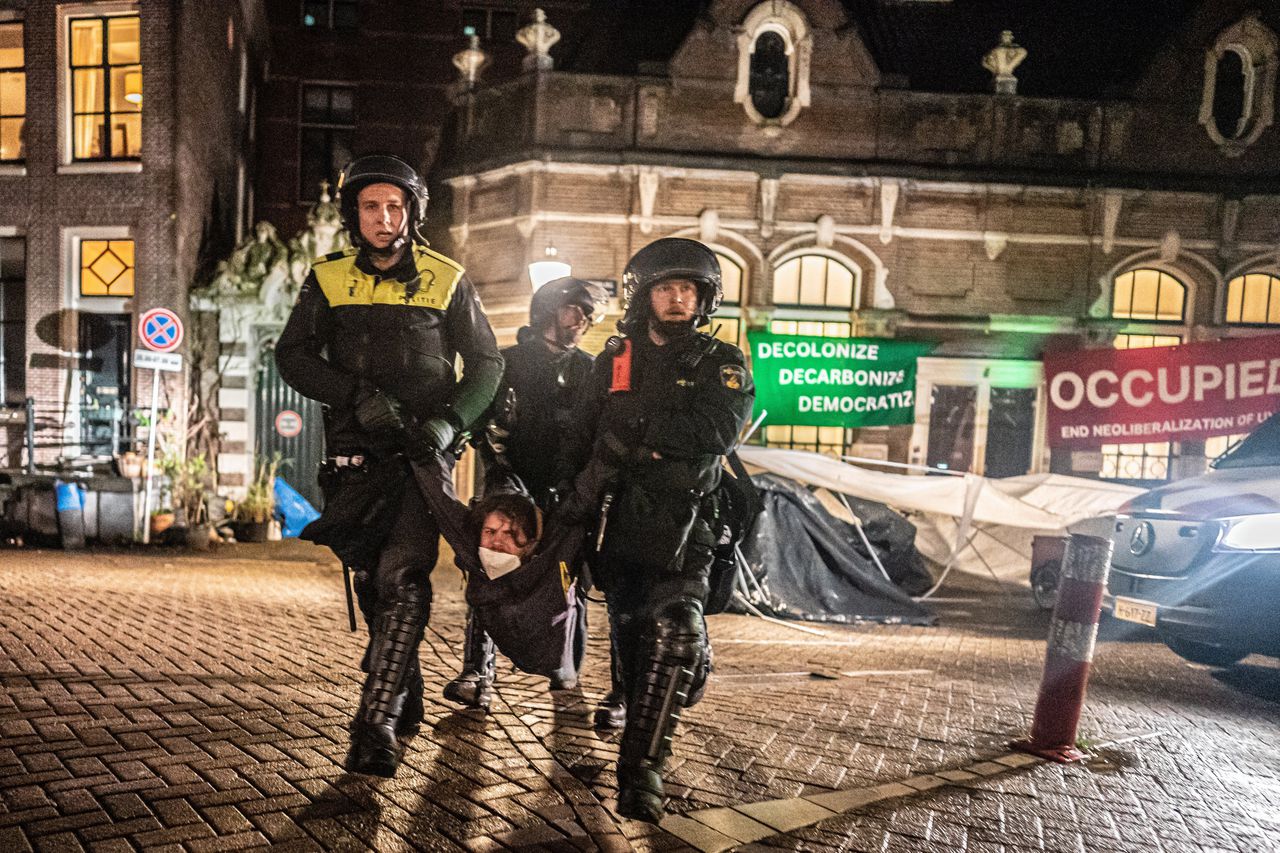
(289, 423)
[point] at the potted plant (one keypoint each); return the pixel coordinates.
(189, 485)
(253, 513)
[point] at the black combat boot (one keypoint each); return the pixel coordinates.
(377, 745)
(474, 685)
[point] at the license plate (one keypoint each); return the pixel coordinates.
(1133, 610)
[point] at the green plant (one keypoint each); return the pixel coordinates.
(189, 485)
(259, 500)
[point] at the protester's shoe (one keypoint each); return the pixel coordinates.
(564, 683)
(611, 713)
(375, 750)
(470, 689)
(640, 794)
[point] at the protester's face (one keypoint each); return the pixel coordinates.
(674, 300)
(499, 533)
(382, 218)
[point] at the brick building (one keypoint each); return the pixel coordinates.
(1105, 177)
(126, 136)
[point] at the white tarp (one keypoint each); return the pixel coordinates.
(996, 519)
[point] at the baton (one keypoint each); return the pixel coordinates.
(604, 519)
(346, 586)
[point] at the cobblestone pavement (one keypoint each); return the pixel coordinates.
(159, 701)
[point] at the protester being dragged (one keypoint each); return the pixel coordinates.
(530, 415)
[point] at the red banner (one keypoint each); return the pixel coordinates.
(1131, 396)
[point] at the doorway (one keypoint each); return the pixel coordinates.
(981, 416)
(104, 341)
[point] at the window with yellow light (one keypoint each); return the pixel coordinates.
(106, 268)
(106, 87)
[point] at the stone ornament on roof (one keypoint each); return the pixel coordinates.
(470, 62)
(1002, 60)
(538, 38)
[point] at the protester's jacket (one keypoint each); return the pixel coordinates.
(398, 330)
(686, 402)
(545, 384)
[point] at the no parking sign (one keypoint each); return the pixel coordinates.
(160, 330)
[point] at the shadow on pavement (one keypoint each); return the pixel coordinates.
(1261, 682)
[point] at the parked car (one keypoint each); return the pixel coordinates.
(1198, 560)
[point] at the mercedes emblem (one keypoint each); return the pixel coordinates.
(1142, 538)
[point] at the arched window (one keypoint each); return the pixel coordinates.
(1238, 101)
(770, 76)
(1254, 298)
(1229, 95)
(816, 281)
(775, 46)
(1148, 294)
(727, 324)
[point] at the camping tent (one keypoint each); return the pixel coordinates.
(975, 524)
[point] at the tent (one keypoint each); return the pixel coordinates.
(802, 563)
(967, 522)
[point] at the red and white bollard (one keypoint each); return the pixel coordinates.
(1072, 636)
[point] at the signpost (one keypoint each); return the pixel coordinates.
(845, 382)
(160, 331)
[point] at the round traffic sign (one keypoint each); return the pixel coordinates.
(288, 423)
(160, 330)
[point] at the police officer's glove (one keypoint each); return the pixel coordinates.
(432, 436)
(377, 414)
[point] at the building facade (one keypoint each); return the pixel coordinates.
(125, 144)
(853, 185)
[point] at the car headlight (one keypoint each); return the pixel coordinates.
(1256, 533)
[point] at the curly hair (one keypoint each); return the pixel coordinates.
(516, 508)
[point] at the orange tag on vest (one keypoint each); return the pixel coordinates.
(622, 369)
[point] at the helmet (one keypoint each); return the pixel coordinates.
(380, 169)
(670, 257)
(557, 293)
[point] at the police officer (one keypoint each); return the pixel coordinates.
(663, 404)
(373, 337)
(532, 412)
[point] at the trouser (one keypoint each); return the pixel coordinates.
(395, 598)
(660, 637)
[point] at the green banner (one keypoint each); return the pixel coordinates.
(847, 382)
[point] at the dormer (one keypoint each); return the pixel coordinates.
(775, 53)
(1238, 102)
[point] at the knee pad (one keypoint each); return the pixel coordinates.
(679, 634)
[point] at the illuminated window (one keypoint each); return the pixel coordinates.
(106, 88)
(815, 281)
(813, 328)
(1216, 445)
(330, 14)
(106, 268)
(1144, 341)
(1147, 294)
(328, 125)
(1149, 461)
(13, 92)
(1253, 298)
(828, 440)
(731, 278)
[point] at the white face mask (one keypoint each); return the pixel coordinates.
(496, 563)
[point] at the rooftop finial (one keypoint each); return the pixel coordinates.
(1001, 61)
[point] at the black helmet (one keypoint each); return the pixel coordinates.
(670, 257)
(380, 169)
(557, 293)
